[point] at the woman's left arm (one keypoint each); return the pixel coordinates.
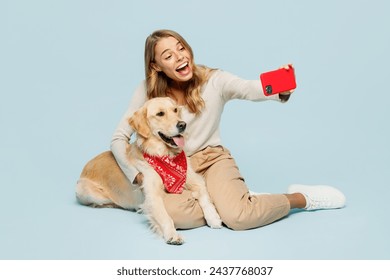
(234, 87)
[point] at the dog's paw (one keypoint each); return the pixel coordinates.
(212, 218)
(176, 240)
(215, 223)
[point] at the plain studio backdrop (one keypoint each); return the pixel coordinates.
(67, 73)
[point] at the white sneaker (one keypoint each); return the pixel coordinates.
(319, 196)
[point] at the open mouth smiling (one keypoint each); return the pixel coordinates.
(174, 141)
(182, 67)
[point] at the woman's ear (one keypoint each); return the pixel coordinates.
(155, 67)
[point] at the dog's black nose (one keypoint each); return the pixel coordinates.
(181, 126)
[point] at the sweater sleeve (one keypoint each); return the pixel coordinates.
(234, 87)
(122, 134)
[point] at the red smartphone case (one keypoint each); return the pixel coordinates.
(278, 81)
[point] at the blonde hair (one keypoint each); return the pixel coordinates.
(157, 83)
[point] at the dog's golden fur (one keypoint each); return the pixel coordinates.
(103, 184)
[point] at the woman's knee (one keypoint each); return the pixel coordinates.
(252, 212)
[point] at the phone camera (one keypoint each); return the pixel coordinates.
(268, 89)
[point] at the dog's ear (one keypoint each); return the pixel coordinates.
(139, 123)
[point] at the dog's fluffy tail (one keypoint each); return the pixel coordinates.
(91, 194)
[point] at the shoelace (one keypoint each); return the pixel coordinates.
(318, 203)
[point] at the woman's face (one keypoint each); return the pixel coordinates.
(173, 59)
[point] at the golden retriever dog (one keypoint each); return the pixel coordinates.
(159, 134)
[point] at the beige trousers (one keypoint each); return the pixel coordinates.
(229, 193)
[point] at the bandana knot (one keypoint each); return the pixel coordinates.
(172, 170)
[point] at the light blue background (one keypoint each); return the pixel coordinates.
(68, 70)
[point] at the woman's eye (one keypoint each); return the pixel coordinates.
(160, 114)
(168, 57)
(180, 47)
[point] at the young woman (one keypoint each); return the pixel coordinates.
(170, 70)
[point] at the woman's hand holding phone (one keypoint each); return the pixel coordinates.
(281, 81)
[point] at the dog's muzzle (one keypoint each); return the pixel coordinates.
(177, 140)
(181, 126)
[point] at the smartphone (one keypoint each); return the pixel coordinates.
(278, 81)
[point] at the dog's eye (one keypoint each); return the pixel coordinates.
(175, 110)
(160, 114)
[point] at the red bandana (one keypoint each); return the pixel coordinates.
(172, 170)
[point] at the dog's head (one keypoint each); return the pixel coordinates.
(158, 122)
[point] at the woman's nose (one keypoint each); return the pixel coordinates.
(179, 57)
